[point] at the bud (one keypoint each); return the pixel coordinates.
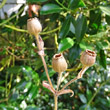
(33, 26)
(59, 63)
(88, 58)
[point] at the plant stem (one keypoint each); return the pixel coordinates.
(12, 17)
(96, 93)
(62, 5)
(78, 77)
(80, 74)
(69, 83)
(3, 3)
(59, 79)
(43, 60)
(46, 70)
(56, 101)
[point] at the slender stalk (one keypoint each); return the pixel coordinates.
(37, 40)
(94, 95)
(69, 83)
(43, 60)
(59, 79)
(46, 70)
(56, 101)
(78, 77)
(12, 17)
(3, 3)
(80, 74)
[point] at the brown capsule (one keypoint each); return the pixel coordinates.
(59, 63)
(33, 26)
(88, 58)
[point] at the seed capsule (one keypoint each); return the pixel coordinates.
(88, 58)
(33, 26)
(59, 63)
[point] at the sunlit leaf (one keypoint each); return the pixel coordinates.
(106, 9)
(49, 9)
(65, 44)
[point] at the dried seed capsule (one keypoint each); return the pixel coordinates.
(88, 58)
(59, 63)
(33, 26)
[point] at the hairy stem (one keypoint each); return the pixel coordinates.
(56, 101)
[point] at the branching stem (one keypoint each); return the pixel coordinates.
(76, 78)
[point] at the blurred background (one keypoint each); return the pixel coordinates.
(69, 27)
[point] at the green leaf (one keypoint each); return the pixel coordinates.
(73, 4)
(49, 9)
(65, 44)
(105, 9)
(31, 74)
(21, 85)
(33, 92)
(82, 98)
(32, 108)
(85, 45)
(108, 19)
(89, 94)
(103, 58)
(14, 70)
(65, 27)
(95, 22)
(74, 53)
(81, 26)
(51, 73)
(35, 1)
(99, 44)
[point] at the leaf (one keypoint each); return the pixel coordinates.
(32, 108)
(28, 71)
(82, 98)
(46, 85)
(89, 94)
(108, 19)
(103, 58)
(33, 92)
(14, 70)
(51, 73)
(74, 53)
(21, 85)
(49, 9)
(65, 44)
(65, 27)
(105, 9)
(35, 1)
(73, 4)
(66, 91)
(85, 45)
(81, 26)
(95, 22)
